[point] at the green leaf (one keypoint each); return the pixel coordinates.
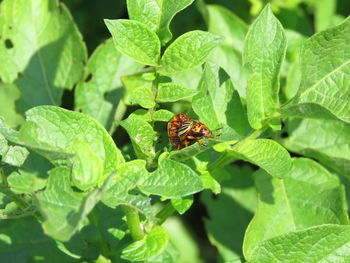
(181, 205)
(45, 54)
(142, 96)
(3, 145)
(141, 135)
(267, 154)
(228, 55)
(129, 176)
(162, 115)
(26, 182)
(63, 209)
(172, 180)
(210, 183)
(15, 155)
(157, 14)
(295, 202)
(231, 211)
(212, 102)
(19, 236)
(9, 94)
(264, 51)
(326, 243)
(135, 40)
(151, 245)
(324, 90)
(87, 167)
(170, 254)
(99, 95)
(331, 146)
(138, 90)
(170, 92)
(188, 51)
(51, 131)
(188, 79)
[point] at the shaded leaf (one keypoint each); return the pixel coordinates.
(19, 239)
(63, 209)
(231, 211)
(326, 243)
(51, 131)
(47, 52)
(330, 146)
(309, 195)
(129, 176)
(228, 54)
(99, 95)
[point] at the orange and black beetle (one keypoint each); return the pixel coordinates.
(183, 131)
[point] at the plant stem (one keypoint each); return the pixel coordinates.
(154, 92)
(134, 224)
(166, 212)
(226, 157)
(222, 161)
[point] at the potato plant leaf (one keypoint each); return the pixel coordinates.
(141, 135)
(9, 94)
(99, 95)
(63, 209)
(182, 204)
(216, 103)
(295, 202)
(228, 55)
(172, 180)
(188, 51)
(331, 146)
(46, 54)
(156, 14)
(162, 115)
(151, 245)
(170, 92)
(51, 131)
(264, 51)
(324, 90)
(325, 243)
(129, 176)
(267, 154)
(135, 40)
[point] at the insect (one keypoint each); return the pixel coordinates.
(183, 131)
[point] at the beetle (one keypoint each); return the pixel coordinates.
(184, 131)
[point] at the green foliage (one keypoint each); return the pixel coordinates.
(37, 39)
(264, 50)
(323, 91)
(102, 183)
